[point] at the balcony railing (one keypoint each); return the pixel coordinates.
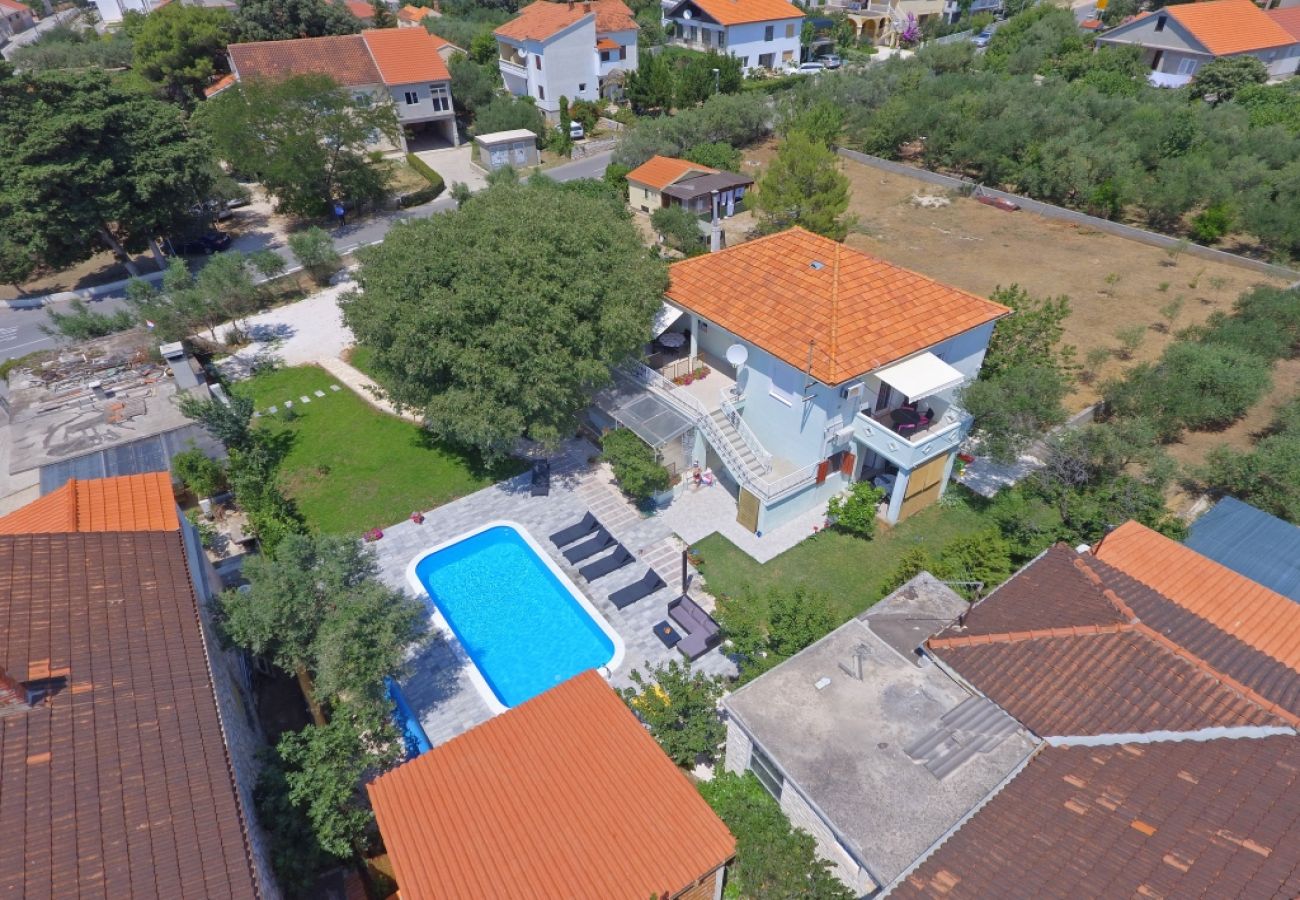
(731, 409)
(909, 451)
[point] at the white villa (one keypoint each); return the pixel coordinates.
(575, 50)
(762, 34)
(826, 367)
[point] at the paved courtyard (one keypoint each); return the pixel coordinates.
(438, 688)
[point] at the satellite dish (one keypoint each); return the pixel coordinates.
(737, 354)
(686, 14)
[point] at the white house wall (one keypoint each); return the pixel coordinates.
(422, 110)
(626, 39)
(747, 42)
(1143, 34)
(568, 69)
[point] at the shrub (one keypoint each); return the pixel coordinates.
(315, 250)
(715, 155)
(911, 563)
(680, 229)
(636, 469)
(975, 564)
(1130, 339)
(1212, 223)
(419, 165)
(681, 709)
(1269, 475)
(616, 177)
(856, 513)
(765, 629)
(202, 475)
(82, 323)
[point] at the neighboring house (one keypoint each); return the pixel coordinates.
(953, 10)
(831, 345)
(565, 795)
(665, 181)
(413, 16)
(14, 18)
(129, 733)
(1252, 543)
(403, 66)
(363, 11)
(762, 34)
(883, 23)
(113, 11)
(517, 148)
(1289, 19)
(576, 50)
(1177, 40)
(873, 752)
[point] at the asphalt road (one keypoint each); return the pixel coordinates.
(20, 329)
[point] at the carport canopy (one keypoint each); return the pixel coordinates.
(920, 376)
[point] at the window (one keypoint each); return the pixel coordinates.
(766, 772)
(785, 382)
(744, 62)
(622, 53)
(767, 60)
(441, 97)
(541, 92)
(604, 56)
(537, 61)
(582, 88)
(722, 39)
(789, 29)
(412, 97)
(787, 56)
(1160, 23)
(769, 32)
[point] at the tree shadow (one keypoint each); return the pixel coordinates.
(496, 469)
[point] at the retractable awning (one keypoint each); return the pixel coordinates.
(921, 376)
(665, 318)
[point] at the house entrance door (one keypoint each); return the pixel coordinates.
(747, 510)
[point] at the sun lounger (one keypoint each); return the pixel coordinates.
(581, 529)
(599, 541)
(646, 585)
(541, 480)
(612, 563)
(702, 633)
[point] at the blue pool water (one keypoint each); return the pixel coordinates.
(520, 625)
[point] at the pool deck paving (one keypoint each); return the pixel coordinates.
(438, 687)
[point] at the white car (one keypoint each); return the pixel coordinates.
(576, 131)
(812, 67)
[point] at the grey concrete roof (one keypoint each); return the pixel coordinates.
(700, 185)
(844, 745)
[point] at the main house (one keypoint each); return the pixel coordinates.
(565, 795)
(762, 34)
(1177, 40)
(15, 17)
(403, 66)
(581, 51)
(663, 181)
(827, 366)
(128, 731)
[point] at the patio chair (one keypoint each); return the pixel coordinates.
(541, 480)
(643, 587)
(612, 563)
(566, 536)
(601, 540)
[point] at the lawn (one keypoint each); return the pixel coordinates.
(350, 467)
(849, 570)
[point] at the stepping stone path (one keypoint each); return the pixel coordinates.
(305, 399)
(273, 410)
(335, 387)
(288, 404)
(320, 393)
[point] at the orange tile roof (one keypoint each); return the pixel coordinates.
(125, 503)
(219, 85)
(860, 311)
(607, 44)
(660, 171)
(361, 9)
(1250, 612)
(1288, 18)
(540, 20)
(566, 795)
(739, 12)
(409, 13)
(1230, 26)
(406, 55)
(343, 57)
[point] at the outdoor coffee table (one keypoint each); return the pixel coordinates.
(667, 635)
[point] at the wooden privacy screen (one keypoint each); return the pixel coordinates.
(923, 487)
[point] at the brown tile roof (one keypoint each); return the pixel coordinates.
(128, 503)
(219, 85)
(1230, 26)
(119, 785)
(660, 171)
(406, 55)
(739, 12)
(782, 291)
(1046, 648)
(566, 795)
(361, 9)
(1245, 609)
(542, 19)
(1159, 820)
(1289, 19)
(343, 57)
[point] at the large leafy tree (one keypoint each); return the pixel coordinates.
(696, 81)
(680, 706)
(282, 20)
(87, 163)
(305, 138)
(650, 86)
(1220, 79)
(804, 186)
(497, 323)
(180, 48)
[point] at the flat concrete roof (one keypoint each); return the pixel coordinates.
(496, 137)
(844, 745)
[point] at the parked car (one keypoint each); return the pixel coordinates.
(203, 244)
(982, 39)
(211, 210)
(812, 67)
(829, 60)
(576, 131)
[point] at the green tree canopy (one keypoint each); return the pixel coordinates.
(696, 79)
(180, 48)
(649, 88)
(89, 163)
(282, 20)
(508, 113)
(715, 155)
(498, 324)
(472, 85)
(306, 139)
(680, 706)
(804, 186)
(679, 228)
(1219, 80)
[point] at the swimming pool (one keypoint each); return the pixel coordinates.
(525, 626)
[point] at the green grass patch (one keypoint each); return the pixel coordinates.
(350, 467)
(849, 570)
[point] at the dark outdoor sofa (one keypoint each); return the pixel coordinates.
(700, 633)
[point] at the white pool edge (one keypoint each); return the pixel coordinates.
(440, 622)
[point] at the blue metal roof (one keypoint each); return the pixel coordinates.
(1249, 541)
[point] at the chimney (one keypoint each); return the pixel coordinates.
(13, 696)
(586, 6)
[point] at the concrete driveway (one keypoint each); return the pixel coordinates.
(454, 165)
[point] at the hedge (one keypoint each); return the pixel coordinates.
(425, 194)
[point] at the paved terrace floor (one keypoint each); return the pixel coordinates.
(438, 688)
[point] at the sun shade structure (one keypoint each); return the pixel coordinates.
(923, 375)
(566, 795)
(645, 414)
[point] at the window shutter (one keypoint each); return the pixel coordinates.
(823, 469)
(846, 463)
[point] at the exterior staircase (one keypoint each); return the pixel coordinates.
(737, 451)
